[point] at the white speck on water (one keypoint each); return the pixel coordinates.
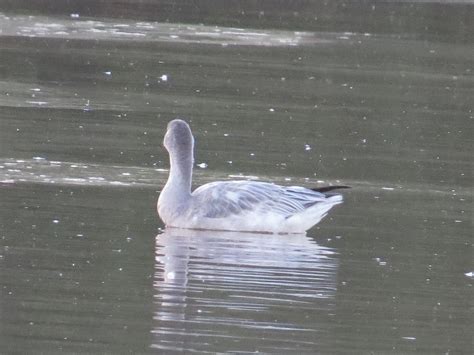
(242, 176)
(7, 181)
(164, 77)
(271, 110)
(226, 134)
(74, 15)
(120, 183)
(55, 221)
(78, 180)
(307, 147)
(126, 174)
(35, 89)
(39, 103)
(380, 261)
(364, 140)
(388, 188)
(457, 221)
(470, 274)
(252, 154)
(287, 179)
(107, 72)
(229, 161)
(96, 178)
(39, 158)
(202, 165)
(409, 338)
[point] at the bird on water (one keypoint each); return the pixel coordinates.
(246, 206)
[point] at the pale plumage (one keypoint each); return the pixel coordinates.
(234, 205)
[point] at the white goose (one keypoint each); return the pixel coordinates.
(247, 206)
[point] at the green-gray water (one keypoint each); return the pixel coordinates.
(84, 102)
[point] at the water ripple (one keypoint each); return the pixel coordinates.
(40, 170)
(76, 28)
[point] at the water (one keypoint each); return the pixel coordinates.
(222, 289)
(84, 263)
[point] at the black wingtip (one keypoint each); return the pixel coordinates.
(330, 188)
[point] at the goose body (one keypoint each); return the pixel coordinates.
(248, 206)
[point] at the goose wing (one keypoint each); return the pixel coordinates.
(223, 199)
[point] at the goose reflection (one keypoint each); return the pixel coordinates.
(241, 291)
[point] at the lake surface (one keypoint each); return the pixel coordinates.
(85, 263)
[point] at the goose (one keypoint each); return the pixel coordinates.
(243, 206)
